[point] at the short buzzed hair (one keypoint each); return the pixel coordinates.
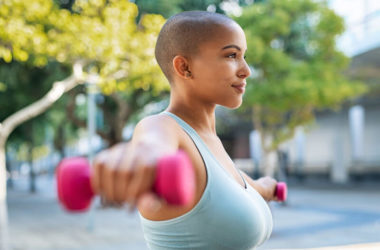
(183, 33)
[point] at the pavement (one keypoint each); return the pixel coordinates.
(317, 215)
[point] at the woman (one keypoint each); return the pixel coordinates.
(202, 56)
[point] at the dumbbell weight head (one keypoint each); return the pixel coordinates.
(73, 184)
(175, 179)
(281, 191)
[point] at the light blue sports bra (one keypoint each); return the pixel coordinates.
(228, 216)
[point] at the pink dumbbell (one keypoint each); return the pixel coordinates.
(281, 191)
(175, 181)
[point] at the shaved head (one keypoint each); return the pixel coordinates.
(182, 34)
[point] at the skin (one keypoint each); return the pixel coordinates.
(125, 173)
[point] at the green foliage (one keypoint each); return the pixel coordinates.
(297, 68)
(26, 84)
(104, 34)
(166, 8)
(3, 87)
(200, 4)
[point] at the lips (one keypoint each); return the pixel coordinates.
(239, 87)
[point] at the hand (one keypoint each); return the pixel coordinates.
(268, 188)
(123, 174)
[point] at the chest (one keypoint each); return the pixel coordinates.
(216, 147)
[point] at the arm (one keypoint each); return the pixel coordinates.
(265, 186)
(125, 172)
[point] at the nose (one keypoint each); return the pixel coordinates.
(244, 71)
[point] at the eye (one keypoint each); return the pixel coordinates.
(232, 55)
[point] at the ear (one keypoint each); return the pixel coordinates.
(181, 67)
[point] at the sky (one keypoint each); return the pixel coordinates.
(354, 11)
(362, 18)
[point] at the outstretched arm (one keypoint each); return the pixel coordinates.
(126, 172)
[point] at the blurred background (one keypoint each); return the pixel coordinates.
(76, 76)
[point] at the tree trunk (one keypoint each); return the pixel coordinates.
(32, 173)
(70, 111)
(121, 116)
(4, 237)
(268, 160)
(14, 120)
(60, 142)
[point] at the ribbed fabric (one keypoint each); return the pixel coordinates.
(228, 216)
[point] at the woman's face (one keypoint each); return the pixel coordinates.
(219, 69)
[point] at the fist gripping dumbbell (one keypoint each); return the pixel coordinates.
(175, 182)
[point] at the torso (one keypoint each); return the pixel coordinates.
(224, 215)
(216, 147)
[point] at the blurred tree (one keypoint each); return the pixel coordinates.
(167, 8)
(186, 5)
(19, 93)
(99, 40)
(296, 67)
(123, 99)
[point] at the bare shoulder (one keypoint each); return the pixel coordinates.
(156, 119)
(156, 122)
(157, 127)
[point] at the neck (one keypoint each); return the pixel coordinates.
(197, 114)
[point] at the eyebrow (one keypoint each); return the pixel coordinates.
(231, 46)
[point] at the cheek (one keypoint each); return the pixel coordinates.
(220, 72)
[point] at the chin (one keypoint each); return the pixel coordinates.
(232, 105)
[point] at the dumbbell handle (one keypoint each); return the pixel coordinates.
(175, 181)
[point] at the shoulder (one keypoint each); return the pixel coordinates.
(158, 129)
(157, 121)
